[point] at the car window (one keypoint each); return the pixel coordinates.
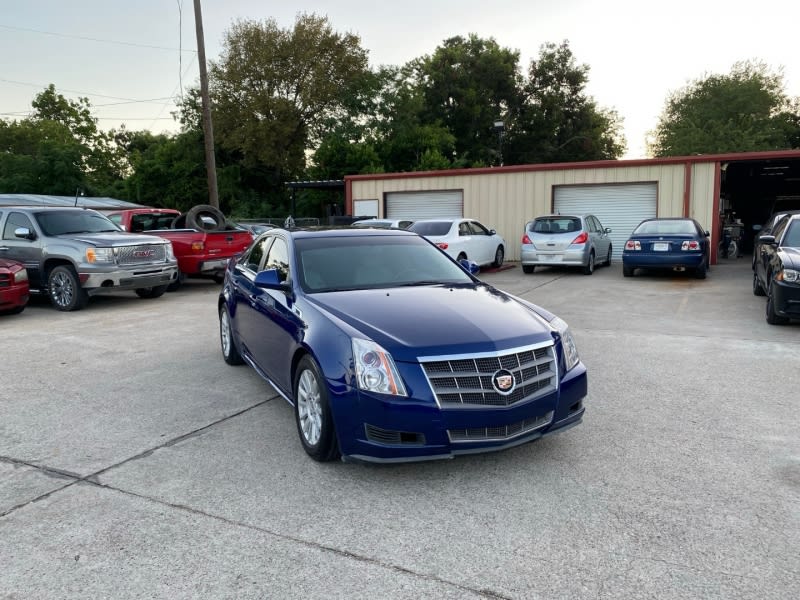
(431, 228)
(278, 258)
(14, 221)
(73, 221)
(405, 224)
(464, 229)
(592, 225)
(665, 227)
(252, 259)
(478, 229)
(556, 224)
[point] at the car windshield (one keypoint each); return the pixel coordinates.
(556, 225)
(347, 263)
(665, 227)
(792, 237)
(431, 227)
(74, 221)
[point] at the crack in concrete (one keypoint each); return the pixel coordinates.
(93, 478)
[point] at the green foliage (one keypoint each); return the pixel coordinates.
(745, 110)
(274, 90)
(556, 121)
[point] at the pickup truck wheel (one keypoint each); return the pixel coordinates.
(194, 218)
(151, 292)
(312, 412)
(178, 282)
(65, 290)
(229, 351)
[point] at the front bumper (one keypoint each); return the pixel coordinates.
(786, 299)
(375, 428)
(113, 279)
(14, 296)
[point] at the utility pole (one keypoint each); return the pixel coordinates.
(208, 127)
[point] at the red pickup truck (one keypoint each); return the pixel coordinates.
(202, 250)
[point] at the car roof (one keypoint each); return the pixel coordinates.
(332, 231)
(47, 208)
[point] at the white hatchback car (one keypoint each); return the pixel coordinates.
(464, 239)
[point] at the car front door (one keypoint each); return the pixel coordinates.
(483, 242)
(277, 320)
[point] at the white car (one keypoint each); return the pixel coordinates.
(464, 238)
(383, 223)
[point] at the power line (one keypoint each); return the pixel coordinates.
(39, 85)
(99, 40)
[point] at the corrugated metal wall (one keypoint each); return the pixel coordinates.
(505, 201)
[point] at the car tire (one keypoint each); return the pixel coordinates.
(608, 256)
(64, 289)
(627, 271)
(462, 256)
(230, 353)
(151, 292)
(773, 318)
(589, 268)
(177, 282)
(194, 218)
(701, 271)
(499, 255)
(312, 412)
(528, 269)
(758, 290)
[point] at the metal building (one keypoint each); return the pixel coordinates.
(620, 193)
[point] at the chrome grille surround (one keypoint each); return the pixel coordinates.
(501, 433)
(465, 381)
(142, 254)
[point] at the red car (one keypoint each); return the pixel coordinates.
(13, 287)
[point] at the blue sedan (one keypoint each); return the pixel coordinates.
(676, 244)
(389, 350)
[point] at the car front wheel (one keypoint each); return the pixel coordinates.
(757, 289)
(773, 318)
(65, 290)
(312, 412)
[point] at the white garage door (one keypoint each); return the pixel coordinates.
(620, 207)
(424, 205)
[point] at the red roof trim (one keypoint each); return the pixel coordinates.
(594, 164)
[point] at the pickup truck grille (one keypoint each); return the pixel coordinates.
(5, 280)
(140, 255)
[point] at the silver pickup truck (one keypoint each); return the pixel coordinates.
(74, 253)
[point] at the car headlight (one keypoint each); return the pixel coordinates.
(789, 275)
(568, 346)
(170, 251)
(100, 255)
(375, 369)
(20, 276)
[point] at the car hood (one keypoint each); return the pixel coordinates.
(791, 257)
(119, 238)
(437, 320)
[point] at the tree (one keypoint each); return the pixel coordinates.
(556, 121)
(467, 84)
(745, 110)
(274, 90)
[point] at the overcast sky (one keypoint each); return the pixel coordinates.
(637, 51)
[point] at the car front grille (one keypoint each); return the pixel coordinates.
(504, 432)
(142, 254)
(5, 280)
(469, 381)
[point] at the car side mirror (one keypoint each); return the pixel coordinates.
(607, 229)
(705, 233)
(767, 239)
(269, 280)
(492, 232)
(24, 233)
(470, 266)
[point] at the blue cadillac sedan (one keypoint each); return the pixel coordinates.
(389, 350)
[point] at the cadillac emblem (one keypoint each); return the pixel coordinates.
(503, 382)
